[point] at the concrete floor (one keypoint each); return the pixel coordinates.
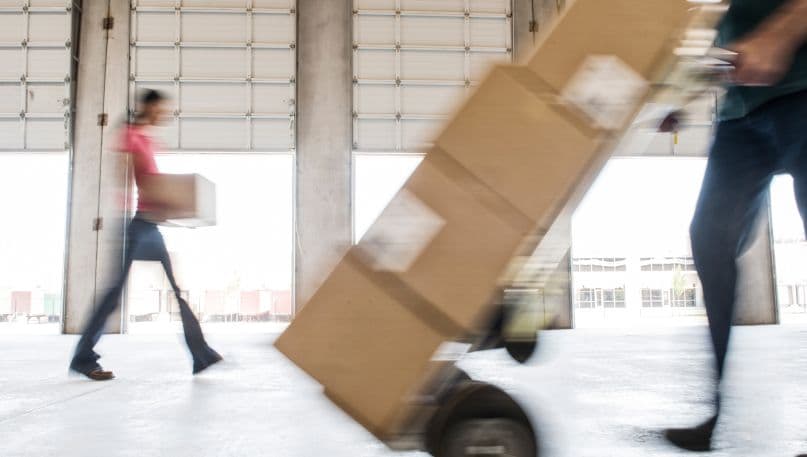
(595, 393)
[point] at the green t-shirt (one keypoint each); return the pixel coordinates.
(743, 17)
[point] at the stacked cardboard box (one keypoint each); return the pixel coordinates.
(521, 150)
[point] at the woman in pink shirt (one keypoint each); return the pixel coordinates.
(144, 242)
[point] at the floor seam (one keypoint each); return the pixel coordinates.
(53, 403)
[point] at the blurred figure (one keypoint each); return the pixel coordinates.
(761, 132)
(143, 242)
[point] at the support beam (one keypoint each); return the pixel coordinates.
(324, 141)
(756, 288)
(558, 295)
(82, 244)
(112, 183)
(532, 18)
(93, 248)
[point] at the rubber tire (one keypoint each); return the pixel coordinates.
(500, 437)
(472, 401)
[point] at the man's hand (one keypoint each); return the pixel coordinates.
(766, 55)
(762, 60)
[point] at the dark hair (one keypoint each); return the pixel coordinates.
(147, 97)
(150, 96)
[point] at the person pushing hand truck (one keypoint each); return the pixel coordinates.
(761, 132)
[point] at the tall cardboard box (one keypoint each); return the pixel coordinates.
(429, 269)
(523, 147)
(185, 200)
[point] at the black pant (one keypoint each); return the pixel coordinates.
(144, 242)
(745, 156)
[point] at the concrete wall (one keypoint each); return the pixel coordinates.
(323, 200)
(324, 141)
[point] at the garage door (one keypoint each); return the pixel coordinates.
(229, 66)
(415, 59)
(35, 68)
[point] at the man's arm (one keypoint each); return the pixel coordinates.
(765, 56)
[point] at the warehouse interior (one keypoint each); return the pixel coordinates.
(309, 116)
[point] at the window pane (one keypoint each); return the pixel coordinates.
(33, 202)
(240, 269)
(641, 237)
(377, 179)
(790, 249)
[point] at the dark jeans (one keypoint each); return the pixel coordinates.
(144, 242)
(745, 156)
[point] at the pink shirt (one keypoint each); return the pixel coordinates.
(138, 143)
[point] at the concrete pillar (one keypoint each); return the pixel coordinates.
(94, 231)
(324, 141)
(558, 294)
(530, 19)
(82, 240)
(756, 288)
(114, 169)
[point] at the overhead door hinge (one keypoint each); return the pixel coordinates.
(109, 23)
(103, 118)
(97, 224)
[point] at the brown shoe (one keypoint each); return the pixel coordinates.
(99, 374)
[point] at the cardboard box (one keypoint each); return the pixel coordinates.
(449, 239)
(603, 56)
(641, 34)
(424, 273)
(185, 200)
(514, 135)
(371, 352)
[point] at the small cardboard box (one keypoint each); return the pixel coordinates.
(186, 200)
(365, 343)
